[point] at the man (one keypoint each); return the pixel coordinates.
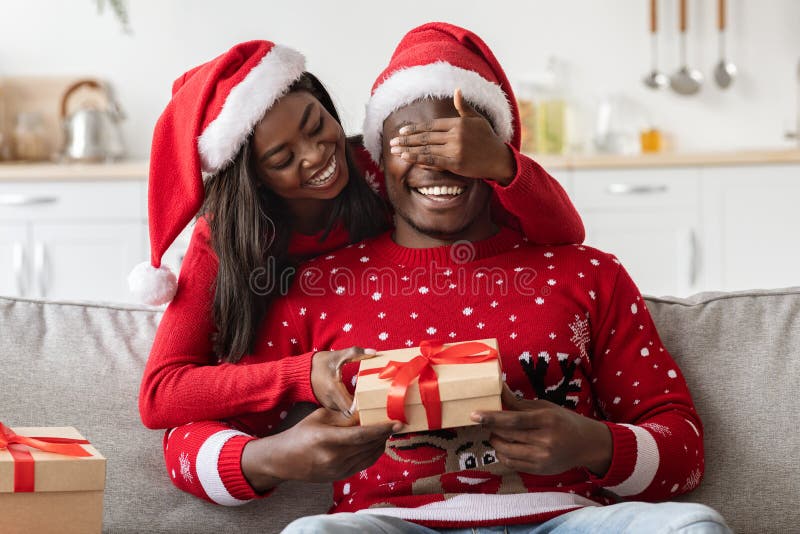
(599, 409)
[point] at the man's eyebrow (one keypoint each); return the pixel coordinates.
(303, 120)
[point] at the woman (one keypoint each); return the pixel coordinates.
(282, 185)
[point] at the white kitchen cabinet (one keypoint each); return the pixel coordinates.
(72, 240)
(89, 261)
(752, 220)
(650, 220)
(661, 253)
(13, 271)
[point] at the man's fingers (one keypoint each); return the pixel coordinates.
(335, 418)
(513, 402)
(521, 465)
(508, 419)
(514, 451)
(513, 435)
(364, 435)
(462, 106)
(364, 459)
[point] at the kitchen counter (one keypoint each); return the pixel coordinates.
(668, 159)
(138, 170)
(73, 172)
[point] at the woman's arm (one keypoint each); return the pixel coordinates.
(205, 459)
(183, 380)
(535, 203)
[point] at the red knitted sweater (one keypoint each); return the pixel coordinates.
(182, 355)
(572, 329)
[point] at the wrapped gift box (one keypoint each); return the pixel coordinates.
(463, 389)
(67, 494)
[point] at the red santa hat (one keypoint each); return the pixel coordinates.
(213, 110)
(432, 61)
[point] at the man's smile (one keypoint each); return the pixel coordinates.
(439, 193)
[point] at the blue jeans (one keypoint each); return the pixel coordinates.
(626, 517)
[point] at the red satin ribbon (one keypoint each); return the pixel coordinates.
(403, 373)
(24, 473)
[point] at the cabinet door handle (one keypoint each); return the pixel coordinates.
(694, 262)
(18, 254)
(14, 199)
(39, 268)
(628, 189)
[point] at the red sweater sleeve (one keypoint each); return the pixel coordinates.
(656, 432)
(183, 380)
(536, 204)
(205, 460)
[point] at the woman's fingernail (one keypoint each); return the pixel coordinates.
(478, 418)
(394, 141)
(396, 150)
(404, 130)
(371, 352)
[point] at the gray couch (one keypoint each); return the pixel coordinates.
(79, 364)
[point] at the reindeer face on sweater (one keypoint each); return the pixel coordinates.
(469, 461)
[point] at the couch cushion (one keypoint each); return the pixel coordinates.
(740, 354)
(79, 364)
(75, 364)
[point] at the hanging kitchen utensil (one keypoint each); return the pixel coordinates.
(725, 71)
(655, 79)
(686, 81)
(92, 134)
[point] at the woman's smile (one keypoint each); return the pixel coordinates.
(326, 177)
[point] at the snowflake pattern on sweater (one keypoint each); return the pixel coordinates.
(182, 354)
(572, 329)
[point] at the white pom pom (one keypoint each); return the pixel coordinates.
(152, 286)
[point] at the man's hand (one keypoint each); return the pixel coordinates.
(324, 447)
(326, 377)
(466, 145)
(542, 438)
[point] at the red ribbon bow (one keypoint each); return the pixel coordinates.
(24, 474)
(403, 373)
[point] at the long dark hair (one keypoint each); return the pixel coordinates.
(250, 229)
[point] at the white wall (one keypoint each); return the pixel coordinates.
(348, 42)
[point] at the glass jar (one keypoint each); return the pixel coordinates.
(651, 140)
(545, 111)
(527, 115)
(618, 123)
(30, 143)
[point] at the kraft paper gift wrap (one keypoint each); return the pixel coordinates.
(475, 383)
(46, 492)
